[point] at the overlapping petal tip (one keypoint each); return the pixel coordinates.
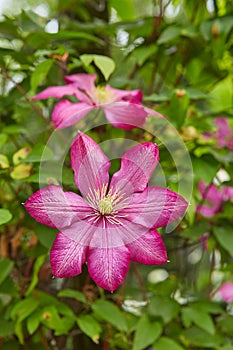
(148, 249)
(56, 91)
(67, 257)
(155, 207)
(134, 96)
(137, 165)
(53, 207)
(82, 81)
(125, 115)
(108, 266)
(90, 165)
(66, 113)
(209, 192)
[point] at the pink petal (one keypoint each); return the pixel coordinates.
(108, 266)
(134, 96)
(226, 292)
(210, 193)
(53, 207)
(137, 165)
(148, 249)
(155, 207)
(207, 210)
(90, 165)
(150, 111)
(125, 115)
(67, 257)
(224, 129)
(82, 81)
(66, 113)
(84, 84)
(227, 193)
(56, 91)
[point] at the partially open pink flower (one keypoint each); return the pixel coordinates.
(225, 292)
(114, 221)
(215, 197)
(223, 134)
(122, 108)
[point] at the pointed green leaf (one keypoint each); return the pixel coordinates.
(6, 266)
(75, 294)
(5, 216)
(90, 327)
(146, 333)
(167, 343)
(109, 312)
(224, 235)
(40, 73)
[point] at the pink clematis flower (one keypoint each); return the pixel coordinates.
(223, 134)
(122, 108)
(215, 196)
(114, 221)
(225, 292)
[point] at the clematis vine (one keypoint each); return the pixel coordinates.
(122, 108)
(113, 221)
(223, 134)
(225, 292)
(215, 197)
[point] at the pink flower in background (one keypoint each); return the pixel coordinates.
(223, 134)
(225, 292)
(114, 221)
(122, 108)
(215, 197)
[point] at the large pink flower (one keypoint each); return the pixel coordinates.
(122, 108)
(215, 197)
(225, 292)
(114, 221)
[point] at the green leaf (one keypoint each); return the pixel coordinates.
(75, 294)
(40, 73)
(34, 279)
(33, 321)
(6, 266)
(224, 235)
(24, 308)
(6, 328)
(5, 216)
(202, 319)
(166, 343)
(124, 9)
(3, 139)
(205, 168)
(198, 337)
(220, 98)
(169, 34)
(141, 54)
(146, 333)
(105, 64)
(4, 162)
(178, 107)
(90, 327)
(51, 319)
(40, 153)
(164, 307)
(109, 312)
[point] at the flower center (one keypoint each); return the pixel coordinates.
(103, 95)
(106, 205)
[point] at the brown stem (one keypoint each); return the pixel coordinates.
(23, 92)
(140, 282)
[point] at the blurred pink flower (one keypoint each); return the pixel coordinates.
(122, 108)
(223, 134)
(215, 197)
(114, 222)
(225, 292)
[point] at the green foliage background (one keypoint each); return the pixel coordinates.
(179, 53)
